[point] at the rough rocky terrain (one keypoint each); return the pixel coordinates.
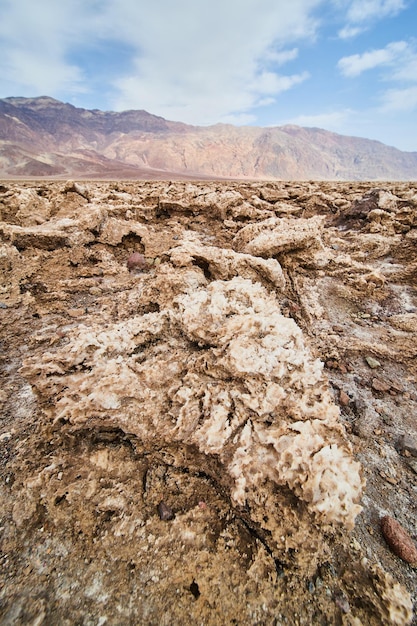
(208, 399)
(45, 137)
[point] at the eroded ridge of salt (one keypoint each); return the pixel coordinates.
(278, 411)
(219, 369)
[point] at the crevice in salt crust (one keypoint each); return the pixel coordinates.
(219, 369)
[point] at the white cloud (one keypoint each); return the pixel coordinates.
(202, 66)
(364, 10)
(406, 70)
(396, 100)
(281, 57)
(43, 74)
(398, 61)
(357, 63)
(350, 31)
(361, 13)
(270, 83)
(192, 60)
(35, 38)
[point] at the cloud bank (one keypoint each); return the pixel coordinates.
(194, 61)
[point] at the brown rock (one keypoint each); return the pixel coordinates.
(344, 398)
(332, 364)
(380, 385)
(399, 540)
(165, 512)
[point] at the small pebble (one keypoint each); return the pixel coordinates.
(3, 305)
(136, 262)
(332, 364)
(399, 540)
(373, 363)
(343, 398)
(165, 512)
(380, 385)
(76, 312)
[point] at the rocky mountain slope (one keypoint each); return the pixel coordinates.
(45, 137)
(208, 398)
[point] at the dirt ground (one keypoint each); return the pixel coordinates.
(122, 508)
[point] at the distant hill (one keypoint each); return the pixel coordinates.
(48, 138)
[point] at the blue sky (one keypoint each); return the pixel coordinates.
(349, 66)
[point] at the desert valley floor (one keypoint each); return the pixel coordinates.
(208, 403)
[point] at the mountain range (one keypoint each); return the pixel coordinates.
(43, 137)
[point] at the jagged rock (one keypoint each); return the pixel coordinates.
(114, 230)
(277, 235)
(225, 264)
(82, 190)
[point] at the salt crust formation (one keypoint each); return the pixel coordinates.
(235, 379)
(198, 366)
(276, 235)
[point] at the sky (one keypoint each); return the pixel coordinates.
(348, 66)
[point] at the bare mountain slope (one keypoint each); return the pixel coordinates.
(45, 137)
